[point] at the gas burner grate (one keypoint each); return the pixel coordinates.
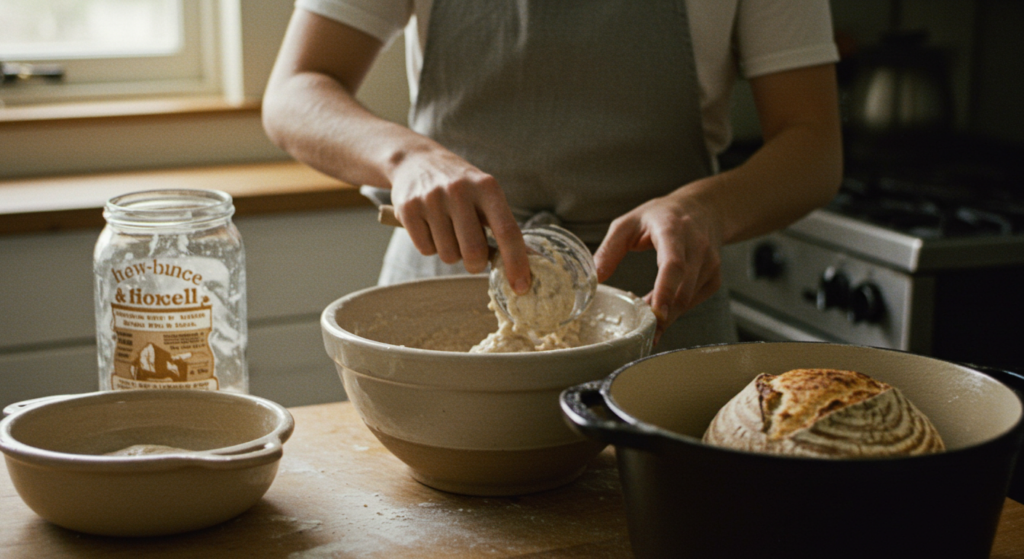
(930, 206)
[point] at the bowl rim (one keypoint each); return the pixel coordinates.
(260, 451)
(331, 327)
(672, 437)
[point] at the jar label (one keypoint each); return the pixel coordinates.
(163, 334)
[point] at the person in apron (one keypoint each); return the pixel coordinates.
(586, 112)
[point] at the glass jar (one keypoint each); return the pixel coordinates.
(169, 272)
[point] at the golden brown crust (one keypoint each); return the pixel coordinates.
(823, 413)
(797, 399)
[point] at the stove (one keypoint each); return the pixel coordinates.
(923, 258)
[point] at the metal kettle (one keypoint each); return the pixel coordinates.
(901, 87)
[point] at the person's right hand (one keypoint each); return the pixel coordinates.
(444, 203)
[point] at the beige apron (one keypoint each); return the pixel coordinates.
(583, 109)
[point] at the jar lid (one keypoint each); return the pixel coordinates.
(169, 208)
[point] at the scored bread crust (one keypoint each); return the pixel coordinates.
(823, 413)
(796, 399)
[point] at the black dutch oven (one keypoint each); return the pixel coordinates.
(688, 499)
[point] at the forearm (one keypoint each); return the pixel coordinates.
(795, 172)
(798, 169)
(313, 118)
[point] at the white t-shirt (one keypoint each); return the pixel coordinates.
(730, 38)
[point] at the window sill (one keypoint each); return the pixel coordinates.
(117, 136)
(11, 115)
(74, 202)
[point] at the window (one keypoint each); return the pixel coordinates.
(109, 48)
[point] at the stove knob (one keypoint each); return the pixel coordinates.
(833, 290)
(767, 262)
(865, 303)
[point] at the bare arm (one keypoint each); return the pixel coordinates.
(798, 169)
(800, 166)
(310, 111)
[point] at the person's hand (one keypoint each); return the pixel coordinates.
(444, 203)
(687, 238)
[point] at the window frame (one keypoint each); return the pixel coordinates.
(52, 139)
(197, 69)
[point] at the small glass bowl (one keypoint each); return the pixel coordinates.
(546, 240)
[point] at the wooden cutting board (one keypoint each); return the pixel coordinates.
(340, 494)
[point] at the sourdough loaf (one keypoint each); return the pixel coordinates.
(823, 413)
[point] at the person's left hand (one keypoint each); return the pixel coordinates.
(687, 237)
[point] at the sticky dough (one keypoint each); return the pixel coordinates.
(147, 450)
(537, 315)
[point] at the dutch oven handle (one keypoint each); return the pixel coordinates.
(585, 409)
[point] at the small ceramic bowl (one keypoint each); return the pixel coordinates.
(200, 458)
(470, 423)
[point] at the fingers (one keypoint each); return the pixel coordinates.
(513, 251)
(672, 286)
(665, 320)
(470, 242)
(684, 238)
(676, 291)
(445, 203)
(448, 226)
(427, 221)
(685, 279)
(621, 238)
(418, 229)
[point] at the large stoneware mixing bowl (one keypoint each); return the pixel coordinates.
(477, 424)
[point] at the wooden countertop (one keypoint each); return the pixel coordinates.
(71, 202)
(339, 493)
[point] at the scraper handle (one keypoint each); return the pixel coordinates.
(386, 216)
